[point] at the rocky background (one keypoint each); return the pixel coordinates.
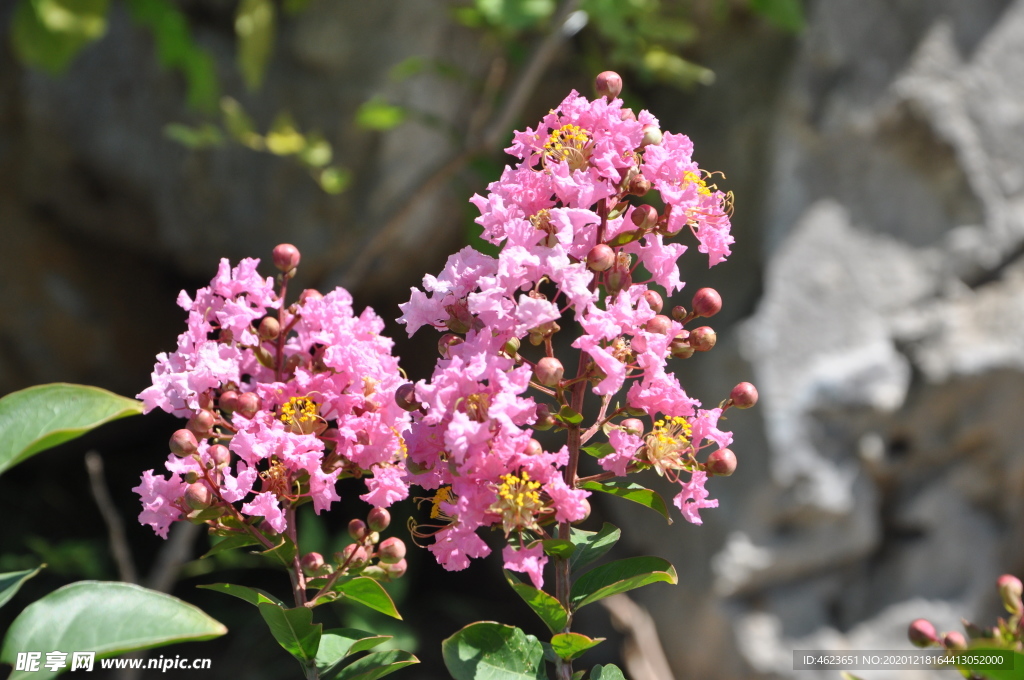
(876, 295)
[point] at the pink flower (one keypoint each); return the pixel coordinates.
(266, 505)
(705, 426)
(159, 497)
(625, 446)
(455, 546)
(693, 497)
(529, 561)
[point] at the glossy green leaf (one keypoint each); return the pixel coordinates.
(283, 553)
(571, 646)
(626, 237)
(557, 547)
(492, 651)
(786, 14)
(631, 491)
(569, 416)
(546, 606)
(376, 114)
(41, 417)
(255, 26)
(230, 543)
(293, 629)
(1015, 673)
(609, 672)
(338, 643)
(108, 618)
(11, 582)
(369, 593)
(253, 596)
(618, 577)
(376, 665)
(591, 545)
(48, 34)
(599, 450)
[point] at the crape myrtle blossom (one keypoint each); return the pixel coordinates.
(281, 404)
(579, 243)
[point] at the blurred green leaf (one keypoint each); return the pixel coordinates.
(376, 114)
(48, 34)
(11, 582)
(294, 6)
(283, 138)
(255, 27)
(786, 14)
(316, 154)
(239, 125)
(334, 180)
(609, 672)
(515, 15)
(203, 136)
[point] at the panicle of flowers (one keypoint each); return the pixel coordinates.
(282, 402)
(580, 235)
(1008, 633)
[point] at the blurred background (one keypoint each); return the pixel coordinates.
(875, 294)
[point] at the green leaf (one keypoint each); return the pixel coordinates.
(253, 596)
(592, 545)
(294, 630)
(546, 606)
(632, 491)
(11, 582)
(515, 15)
(318, 152)
(239, 125)
(786, 14)
(229, 543)
(337, 643)
(255, 22)
(1014, 673)
(369, 593)
(334, 180)
(376, 114)
(626, 237)
(108, 618)
(618, 577)
(41, 417)
(557, 547)
(571, 646)
(569, 416)
(48, 34)
(599, 450)
(609, 672)
(492, 651)
(283, 138)
(283, 552)
(376, 665)
(204, 136)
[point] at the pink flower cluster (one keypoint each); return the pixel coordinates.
(575, 237)
(281, 404)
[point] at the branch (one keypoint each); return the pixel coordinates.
(642, 651)
(115, 527)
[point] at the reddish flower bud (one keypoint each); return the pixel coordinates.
(1010, 589)
(396, 570)
(600, 258)
(922, 633)
(659, 324)
(586, 511)
(654, 300)
(249, 404)
(447, 341)
(644, 217)
(633, 426)
(228, 401)
(379, 519)
(201, 424)
(639, 185)
(286, 257)
(354, 554)
(680, 348)
(679, 313)
(954, 640)
(545, 419)
(652, 136)
(312, 563)
(627, 114)
(206, 401)
(703, 339)
(310, 294)
(533, 448)
(220, 455)
(608, 84)
(405, 397)
(618, 278)
(707, 302)
(721, 462)
(744, 395)
(391, 550)
(183, 443)
(198, 496)
(549, 371)
(357, 529)
(270, 328)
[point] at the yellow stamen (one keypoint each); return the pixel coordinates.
(569, 143)
(668, 448)
(519, 502)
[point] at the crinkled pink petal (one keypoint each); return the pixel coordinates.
(529, 561)
(693, 497)
(266, 505)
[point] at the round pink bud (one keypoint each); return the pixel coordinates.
(652, 135)
(654, 300)
(206, 401)
(703, 339)
(198, 496)
(639, 185)
(270, 328)
(680, 348)
(954, 640)
(633, 426)
(391, 550)
(183, 443)
(201, 424)
(220, 455)
(627, 114)
(545, 419)
(446, 342)
(679, 313)
(286, 257)
(608, 84)
(600, 258)
(1010, 591)
(659, 324)
(722, 462)
(922, 633)
(618, 278)
(354, 554)
(405, 397)
(310, 294)
(586, 511)
(707, 302)
(549, 371)
(533, 448)
(228, 401)
(357, 529)
(312, 563)
(744, 395)
(249, 404)
(379, 519)
(644, 217)
(396, 570)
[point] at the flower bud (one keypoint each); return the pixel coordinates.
(228, 401)
(627, 114)
(373, 538)
(922, 633)
(354, 554)
(1010, 590)
(206, 401)
(201, 424)
(608, 84)
(652, 135)
(680, 348)
(310, 294)
(644, 217)
(270, 328)
(312, 563)
(511, 347)
(391, 550)
(586, 511)
(198, 496)
(405, 397)
(633, 426)
(744, 395)
(396, 570)
(220, 455)
(659, 324)
(183, 443)
(618, 279)
(357, 529)
(707, 302)
(545, 419)
(703, 339)
(249, 404)
(679, 313)
(600, 258)
(460, 320)
(639, 185)
(286, 257)
(654, 300)
(447, 341)
(549, 371)
(533, 448)
(721, 462)
(954, 640)
(379, 519)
